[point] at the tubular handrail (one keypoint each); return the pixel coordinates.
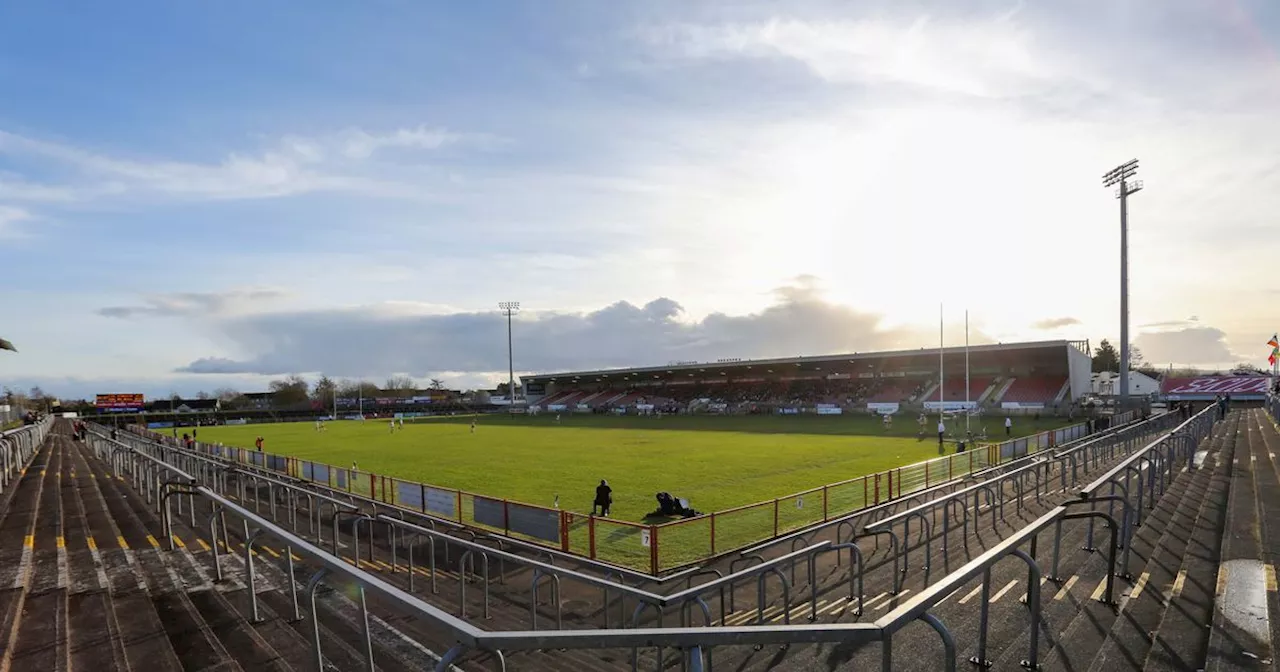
(295, 487)
(695, 640)
(848, 633)
(543, 567)
(319, 489)
(1106, 477)
(927, 598)
(983, 474)
(765, 566)
(464, 631)
(915, 510)
(836, 522)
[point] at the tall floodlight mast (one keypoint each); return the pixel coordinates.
(1120, 177)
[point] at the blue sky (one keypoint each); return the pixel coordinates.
(200, 195)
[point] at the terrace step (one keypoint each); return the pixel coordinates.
(1085, 635)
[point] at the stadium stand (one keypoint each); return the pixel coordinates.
(992, 562)
(954, 389)
(1033, 390)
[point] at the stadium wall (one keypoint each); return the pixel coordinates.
(1080, 372)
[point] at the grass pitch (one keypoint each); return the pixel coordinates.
(714, 462)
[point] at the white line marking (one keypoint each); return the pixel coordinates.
(1066, 588)
(1102, 588)
(24, 565)
(1137, 587)
(834, 605)
(1007, 587)
(64, 570)
(871, 602)
(972, 594)
(895, 599)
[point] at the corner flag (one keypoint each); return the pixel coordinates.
(6, 345)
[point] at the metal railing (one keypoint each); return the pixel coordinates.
(616, 542)
(1147, 469)
(17, 447)
(809, 551)
(145, 471)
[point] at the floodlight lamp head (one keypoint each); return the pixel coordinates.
(1120, 173)
(509, 305)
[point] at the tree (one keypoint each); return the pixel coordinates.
(351, 389)
(400, 386)
(1136, 360)
(501, 389)
(1245, 368)
(1106, 357)
(203, 395)
(229, 399)
(323, 391)
(291, 391)
(14, 397)
(436, 384)
(36, 395)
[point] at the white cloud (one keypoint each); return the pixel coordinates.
(359, 144)
(10, 217)
(1051, 323)
(340, 162)
(1190, 345)
(196, 304)
(982, 57)
(372, 341)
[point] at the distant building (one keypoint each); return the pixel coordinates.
(184, 406)
(1107, 384)
(258, 401)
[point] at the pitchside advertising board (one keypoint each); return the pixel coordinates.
(949, 405)
(1192, 389)
(119, 402)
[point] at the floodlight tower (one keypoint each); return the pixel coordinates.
(510, 308)
(1120, 178)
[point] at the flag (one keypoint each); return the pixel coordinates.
(1274, 342)
(6, 345)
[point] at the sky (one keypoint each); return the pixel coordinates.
(205, 195)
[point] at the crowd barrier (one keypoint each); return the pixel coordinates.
(661, 547)
(17, 447)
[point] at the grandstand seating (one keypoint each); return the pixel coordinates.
(892, 392)
(953, 389)
(126, 601)
(1034, 390)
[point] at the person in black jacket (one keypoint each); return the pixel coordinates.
(604, 497)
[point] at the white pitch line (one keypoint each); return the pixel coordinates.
(972, 594)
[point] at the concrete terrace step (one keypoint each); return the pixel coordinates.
(1269, 486)
(1085, 636)
(1078, 635)
(1240, 637)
